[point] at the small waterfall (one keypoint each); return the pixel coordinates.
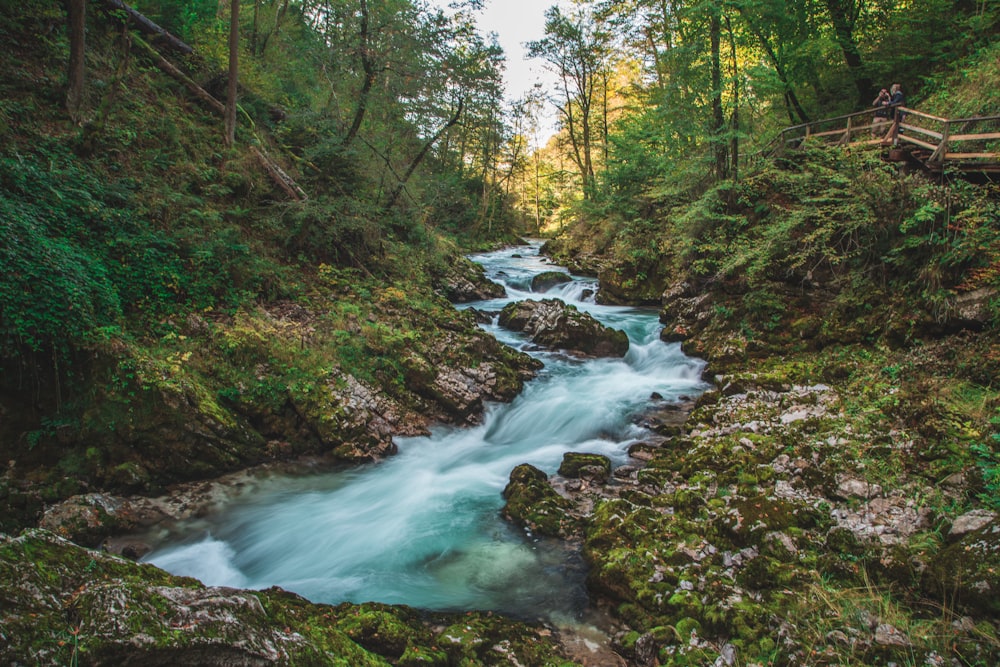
(423, 527)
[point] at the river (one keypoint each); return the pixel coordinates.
(423, 528)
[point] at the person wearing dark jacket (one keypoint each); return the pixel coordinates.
(880, 120)
(896, 100)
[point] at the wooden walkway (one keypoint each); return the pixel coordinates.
(968, 145)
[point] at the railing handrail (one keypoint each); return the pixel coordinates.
(900, 107)
(944, 138)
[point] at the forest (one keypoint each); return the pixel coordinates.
(233, 232)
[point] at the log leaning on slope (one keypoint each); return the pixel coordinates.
(277, 174)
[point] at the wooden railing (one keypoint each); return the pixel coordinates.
(967, 143)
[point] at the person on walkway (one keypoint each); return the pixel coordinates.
(880, 121)
(897, 99)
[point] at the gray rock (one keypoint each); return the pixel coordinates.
(466, 281)
(974, 307)
(971, 522)
(554, 324)
(888, 635)
(857, 488)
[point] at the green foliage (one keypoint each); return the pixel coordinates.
(56, 290)
(987, 456)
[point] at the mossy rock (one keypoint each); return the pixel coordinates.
(750, 519)
(556, 325)
(534, 504)
(380, 630)
(588, 466)
(66, 605)
(546, 280)
(968, 572)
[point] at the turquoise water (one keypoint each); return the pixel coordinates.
(423, 527)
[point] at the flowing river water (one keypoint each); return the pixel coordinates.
(423, 528)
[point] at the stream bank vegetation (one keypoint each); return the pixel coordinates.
(169, 311)
(833, 500)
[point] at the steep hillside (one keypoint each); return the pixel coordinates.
(835, 500)
(169, 312)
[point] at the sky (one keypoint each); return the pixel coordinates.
(516, 22)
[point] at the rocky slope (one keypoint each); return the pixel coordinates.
(63, 605)
(831, 501)
(765, 532)
(268, 385)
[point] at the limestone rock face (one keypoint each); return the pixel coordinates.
(465, 281)
(973, 308)
(971, 522)
(554, 324)
(454, 376)
(87, 519)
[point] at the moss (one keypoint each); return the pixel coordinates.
(533, 503)
(60, 598)
(380, 630)
(594, 466)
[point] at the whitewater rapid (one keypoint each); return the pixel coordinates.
(423, 528)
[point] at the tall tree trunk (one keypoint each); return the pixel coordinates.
(844, 16)
(718, 116)
(234, 67)
(253, 30)
(605, 129)
(368, 65)
(77, 15)
(538, 196)
(734, 140)
(422, 154)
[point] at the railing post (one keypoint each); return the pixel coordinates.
(846, 139)
(938, 156)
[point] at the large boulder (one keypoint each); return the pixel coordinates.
(535, 505)
(557, 325)
(466, 281)
(545, 281)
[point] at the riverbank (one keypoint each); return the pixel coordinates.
(795, 519)
(833, 500)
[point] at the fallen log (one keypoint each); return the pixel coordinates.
(148, 27)
(277, 174)
(172, 70)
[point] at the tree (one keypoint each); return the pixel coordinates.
(576, 50)
(234, 65)
(366, 54)
(77, 15)
(844, 15)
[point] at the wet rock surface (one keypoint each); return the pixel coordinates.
(553, 324)
(724, 525)
(466, 281)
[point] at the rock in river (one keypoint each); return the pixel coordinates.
(557, 325)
